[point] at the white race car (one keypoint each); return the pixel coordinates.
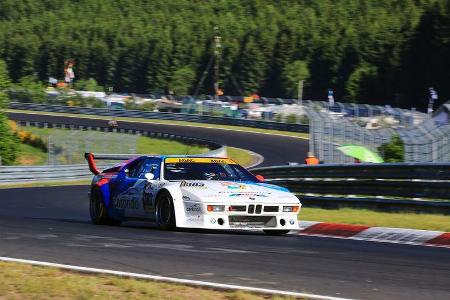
(190, 192)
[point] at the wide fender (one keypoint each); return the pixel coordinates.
(101, 183)
(177, 197)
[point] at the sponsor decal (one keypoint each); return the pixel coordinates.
(195, 219)
(252, 195)
(192, 184)
(194, 160)
(234, 185)
(193, 207)
(126, 203)
(186, 198)
(270, 186)
(147, 199)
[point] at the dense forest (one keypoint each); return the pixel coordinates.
(367, 51)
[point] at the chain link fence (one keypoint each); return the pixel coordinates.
(425, 139)
(68, 146)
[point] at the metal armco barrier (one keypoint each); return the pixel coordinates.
(421, 187)
(436, 171)
(19, 174)
(160, 116)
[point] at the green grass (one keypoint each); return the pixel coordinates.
(29, 155)
(375, 218)
(241, 156)
(147, 145)
(78, 140)
(21, 281)
(170, 122)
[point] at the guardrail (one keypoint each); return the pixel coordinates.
(20, 174)
(421, 187)
(161, 116)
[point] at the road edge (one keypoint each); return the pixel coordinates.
(195, 283)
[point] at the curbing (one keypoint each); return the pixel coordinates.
(375, 234)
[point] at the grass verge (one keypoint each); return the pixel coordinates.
(21, 281)
(375, 218)
(241, 156)
(170, 122)
(79, 140)
(29, 155)
(147, 145)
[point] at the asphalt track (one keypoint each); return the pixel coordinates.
(52, 224)
(276, 150)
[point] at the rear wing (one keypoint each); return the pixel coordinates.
(91, 158)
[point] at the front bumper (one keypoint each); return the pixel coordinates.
(240, 220)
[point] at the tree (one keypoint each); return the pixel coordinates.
(29, 89)
(392, 151)
(292, 74)
(359, 81)
(5, 84)
(88, 85)
(182, 80)
(8, 141)
(252, 67)
(369, 51)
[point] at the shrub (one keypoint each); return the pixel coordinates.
(392, 151)
(291, 119)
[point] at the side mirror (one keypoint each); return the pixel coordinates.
(260, 178)
(149, 176)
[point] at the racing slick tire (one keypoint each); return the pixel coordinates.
(165, 212)
(275, 232)
(98, 211)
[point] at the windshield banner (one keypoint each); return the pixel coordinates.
(199, 160)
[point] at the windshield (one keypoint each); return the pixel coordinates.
(205, 169)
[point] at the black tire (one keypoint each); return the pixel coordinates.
(275, 232)
(165, 212)
(98, 211)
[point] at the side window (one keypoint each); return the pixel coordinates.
(150, 165)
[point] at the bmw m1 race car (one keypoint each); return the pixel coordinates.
(189, 192)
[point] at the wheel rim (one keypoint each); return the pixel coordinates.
(164, 211)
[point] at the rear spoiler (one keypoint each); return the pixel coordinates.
(91, 157)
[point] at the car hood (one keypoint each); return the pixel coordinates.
(218, 191)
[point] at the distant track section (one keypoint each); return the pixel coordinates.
(263, 124)
(276, 149)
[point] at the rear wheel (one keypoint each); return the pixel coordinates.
(165, 213)
(275, 232)
(98, 211)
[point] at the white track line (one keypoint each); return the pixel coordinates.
(170, 279)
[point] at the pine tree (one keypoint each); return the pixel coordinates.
(8, 141)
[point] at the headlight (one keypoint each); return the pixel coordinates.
(293, 209)
(216, 208)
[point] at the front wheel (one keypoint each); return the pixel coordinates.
(98, 211)
(165, 213)
(275, 232)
